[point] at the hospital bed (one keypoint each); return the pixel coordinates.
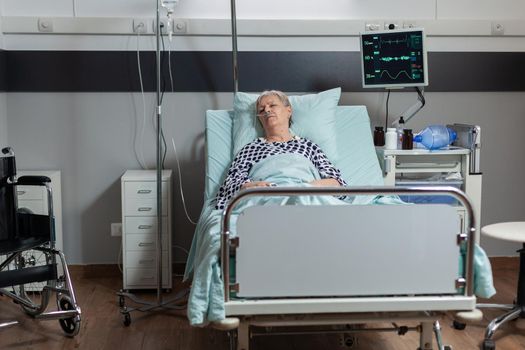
(339, 265)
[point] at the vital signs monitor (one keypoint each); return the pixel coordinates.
(394, 58)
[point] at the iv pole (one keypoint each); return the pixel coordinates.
(159, 304)
(234, 48)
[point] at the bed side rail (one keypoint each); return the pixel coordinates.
(469, 236)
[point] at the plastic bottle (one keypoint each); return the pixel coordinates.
(391, 138)
(399, 130)
(435, 137)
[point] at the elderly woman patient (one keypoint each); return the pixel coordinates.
(274, 112)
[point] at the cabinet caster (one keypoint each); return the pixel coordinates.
(458, 325)
(488, 344)
(127, 319)
(121, 301)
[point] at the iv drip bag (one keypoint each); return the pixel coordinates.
(169, 5)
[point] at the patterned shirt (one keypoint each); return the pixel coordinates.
(258, 150)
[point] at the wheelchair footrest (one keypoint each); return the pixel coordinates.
(28, 275)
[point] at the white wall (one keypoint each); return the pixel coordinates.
(89, 136)
(314, 9)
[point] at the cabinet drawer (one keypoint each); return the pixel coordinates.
(423, 164)
(30, 192)
(144, 241)
(146, 278)
(144, 207)
(144, 189)
(143, 224)
(144, 259)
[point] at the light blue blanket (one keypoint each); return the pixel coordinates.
(206, 300)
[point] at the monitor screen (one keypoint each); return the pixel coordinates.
(394, 59)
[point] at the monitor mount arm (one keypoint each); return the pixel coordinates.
(412, 110)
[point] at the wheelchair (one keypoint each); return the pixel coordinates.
(31, 269)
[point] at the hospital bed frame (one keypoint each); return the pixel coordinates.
(422, 307)
(306, 306)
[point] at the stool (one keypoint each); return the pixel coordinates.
(515, 232)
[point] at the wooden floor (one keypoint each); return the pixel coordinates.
(102, 326)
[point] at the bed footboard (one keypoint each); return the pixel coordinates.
(357, 250)
(347, 250)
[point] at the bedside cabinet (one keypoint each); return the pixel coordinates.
(34, 198)
(139, 229)
(421, 167)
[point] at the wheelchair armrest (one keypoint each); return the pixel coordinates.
(33, 180)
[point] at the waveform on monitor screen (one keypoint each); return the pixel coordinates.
(383, 72)
(392, 42)
(400, 58)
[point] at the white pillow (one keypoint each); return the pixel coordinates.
(313, 117)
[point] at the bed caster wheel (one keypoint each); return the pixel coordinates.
(488, 344)
(127, 319)
(71, 325)
(121, 301)
(459, 325)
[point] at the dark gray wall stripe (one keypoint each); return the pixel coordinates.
(3, 71)
(201, 71)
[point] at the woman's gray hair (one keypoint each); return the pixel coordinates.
(280, 95)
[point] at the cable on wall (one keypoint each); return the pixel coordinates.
(181, 188)
(180, 184)
(74, 8)
(386, 112)
(139, 153)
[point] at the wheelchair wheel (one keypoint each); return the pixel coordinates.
(33, 292)
(71, 325)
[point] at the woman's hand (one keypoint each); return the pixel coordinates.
(325, 183)
(256, 184)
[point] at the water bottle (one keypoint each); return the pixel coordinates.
(435, 137)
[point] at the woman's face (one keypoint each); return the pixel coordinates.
(273, 113)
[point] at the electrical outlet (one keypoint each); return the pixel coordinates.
(164, 23)
(498, 28)
(409, 24)
(116, 229)
(391, 25)
(45, 25)
(180, 26)
(140, 25)
(372, 26)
